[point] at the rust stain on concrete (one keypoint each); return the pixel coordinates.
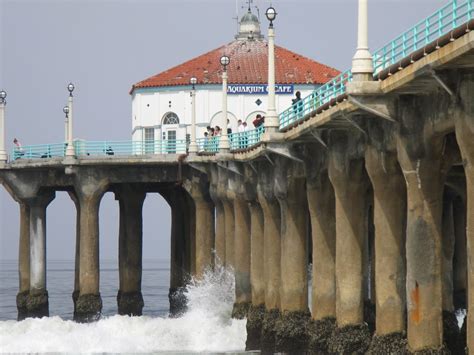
(415, 298)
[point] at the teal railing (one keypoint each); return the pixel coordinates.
(40, 151)
(424, 32)
(108, 148)
(247, 139)
(102, 148)
(322, 95)
(208, 144)
(431, 28)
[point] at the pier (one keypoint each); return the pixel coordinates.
(370, 180)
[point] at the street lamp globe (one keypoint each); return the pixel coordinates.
(3, 95)
(66, 109)
(70, 88)
(271, 14)
(225, 61)
(193, 80)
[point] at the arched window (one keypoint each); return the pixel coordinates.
(170, 118)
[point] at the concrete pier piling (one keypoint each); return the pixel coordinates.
(243, 293)
(390, 208)
(198, 189)
(129, 297)
(23, 261)
(271, 255)
(349, 179)
(89, 191)
(321, 204)
(37, 300)
(290, 190)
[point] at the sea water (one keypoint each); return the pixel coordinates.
(206, 326)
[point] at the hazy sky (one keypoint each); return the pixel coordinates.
(106, 46)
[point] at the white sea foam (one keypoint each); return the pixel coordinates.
(206, 326)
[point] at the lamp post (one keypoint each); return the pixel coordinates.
(3, 102)
(362, 64)
(192, 145)
(70, 152)
(66, 124)
(224, 145)
(271, 120)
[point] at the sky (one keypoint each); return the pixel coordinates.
(104, 46)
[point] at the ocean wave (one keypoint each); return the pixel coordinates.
(205, 327)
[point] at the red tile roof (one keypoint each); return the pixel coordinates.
(248, 65)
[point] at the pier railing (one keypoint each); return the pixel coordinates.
(433, 27)
(247, 139)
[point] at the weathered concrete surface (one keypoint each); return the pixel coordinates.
(37, 304)
(464, 123)
(129, 297)
(198, 188)
(420, 154)
(390, 207)
(321, 204)
(391, 343)
(89, 190)
(222, 193)
(23, 261)
(448, 240)
(255, 317)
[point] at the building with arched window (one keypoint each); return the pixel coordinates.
(161, 104)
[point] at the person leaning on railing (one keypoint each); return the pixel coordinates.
(297, 104)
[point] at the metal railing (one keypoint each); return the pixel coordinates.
(208, 144)
(424, 32)
(102, 148)
(109, 148)
(247, 139)
(40, 151)
(322, 95)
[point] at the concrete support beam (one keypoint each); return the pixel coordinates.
(37, 302)
(290, 189)
(271, 254)
(182, 225)
(198, 189)
(89, 191)
(23, 262)
(242, 191)
(350, 182)
(464, 124)
(390, 208)
(423, 158)
(321, 204)
(257, 279)
(129, 297)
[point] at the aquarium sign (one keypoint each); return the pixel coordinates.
(258, 89)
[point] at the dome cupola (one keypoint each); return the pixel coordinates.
(249, 28)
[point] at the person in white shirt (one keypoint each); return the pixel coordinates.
(245, 135)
